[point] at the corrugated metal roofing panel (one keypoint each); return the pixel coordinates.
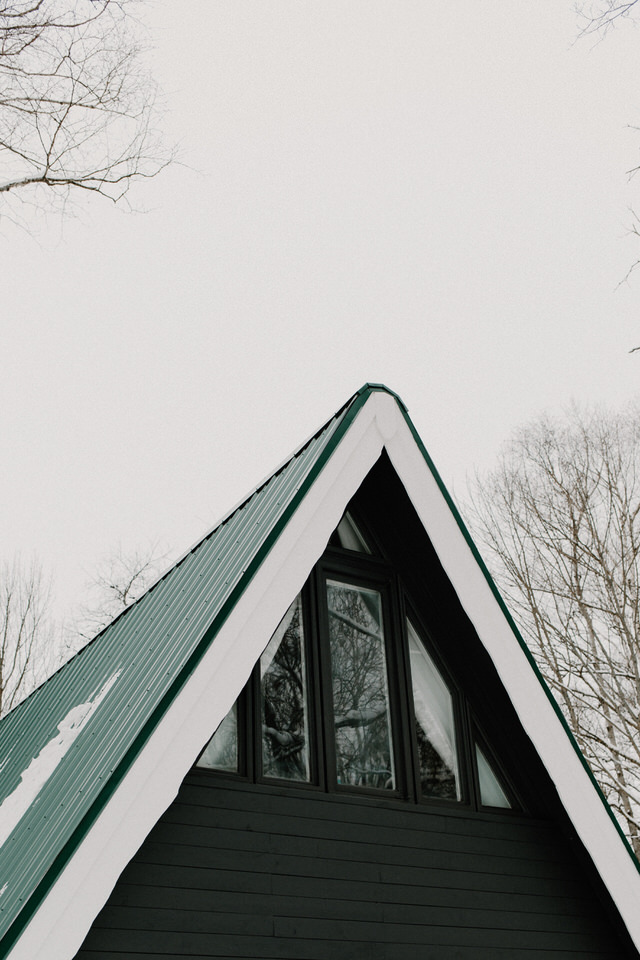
(63, 749)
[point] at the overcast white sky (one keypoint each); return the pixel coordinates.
(428, 195)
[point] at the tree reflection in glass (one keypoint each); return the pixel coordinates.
(364, 751)
(285, 750)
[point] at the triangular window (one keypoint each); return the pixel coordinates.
(284, 718)
(492, 793)
(348, 536)
(221, 753)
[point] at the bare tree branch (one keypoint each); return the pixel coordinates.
(77, 107)
(117, 583)
(600, 16)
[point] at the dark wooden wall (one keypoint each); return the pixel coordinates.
(246, 871)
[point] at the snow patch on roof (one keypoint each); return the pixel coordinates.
(32, 780)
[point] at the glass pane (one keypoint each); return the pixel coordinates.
(491, 793)
(435, 726)
(222, 750)
(283, 687)
(349, 535)
(364, 751)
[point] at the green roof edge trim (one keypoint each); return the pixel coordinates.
(370, 388)
(349, 411)
(527, 652)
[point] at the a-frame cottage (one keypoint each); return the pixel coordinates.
(389, 778)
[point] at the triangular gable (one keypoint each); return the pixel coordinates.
(126, 717)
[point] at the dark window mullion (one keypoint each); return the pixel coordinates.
(397, 678)
(324, 685)
(317, 739)
(254, 727)
(406, 728)
(469, 779)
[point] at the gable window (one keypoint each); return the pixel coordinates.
(361, 714)
(349, 695)
(349, 536)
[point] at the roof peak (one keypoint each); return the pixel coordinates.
(381, 388)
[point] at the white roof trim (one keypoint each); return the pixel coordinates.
(65, 916)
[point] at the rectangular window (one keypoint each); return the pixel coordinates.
(361, 716)
(284, 701)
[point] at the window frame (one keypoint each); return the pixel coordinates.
(252, 744)
(460, 718)
(505, 782)
(378, 578)
(369, 571)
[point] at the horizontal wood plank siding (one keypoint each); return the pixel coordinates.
(258, 872)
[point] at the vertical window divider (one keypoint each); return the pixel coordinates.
(323, 683)
(408, 730)
(402, 728)
(317, 740)
(471, 790)
(390, 618)
(254, 726)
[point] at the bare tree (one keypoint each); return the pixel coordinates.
(32, 644)
(76, 104)
(27, 652)
(120, 579)
(560, 518)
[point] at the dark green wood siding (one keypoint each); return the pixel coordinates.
(246, 871)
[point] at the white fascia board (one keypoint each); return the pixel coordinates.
(539, 719)
(63, 920)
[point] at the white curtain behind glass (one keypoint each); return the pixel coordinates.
(433, 705)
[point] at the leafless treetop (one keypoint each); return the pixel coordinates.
(76, 102)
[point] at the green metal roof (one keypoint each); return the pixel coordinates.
(89, 721)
